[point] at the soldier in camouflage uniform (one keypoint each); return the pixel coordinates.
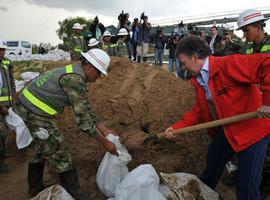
(7, 91)
(121, 50)
(230, 43)
(107, 45)
(44, 98)
(78, 43)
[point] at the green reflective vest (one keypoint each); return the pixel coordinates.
(6, 90)
(250, 47)
(44, 95)
(78, 44)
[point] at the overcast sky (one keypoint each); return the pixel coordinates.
(37, 20)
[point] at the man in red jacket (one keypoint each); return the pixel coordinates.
(227, 86)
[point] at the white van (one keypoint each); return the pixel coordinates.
(18, 47)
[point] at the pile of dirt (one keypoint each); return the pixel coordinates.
(134, 100)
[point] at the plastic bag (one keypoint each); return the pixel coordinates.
(113, 169)
(28, 76)
(188, 186)
(15, 122)
(141, 183)
(167, 192)
(55, 192)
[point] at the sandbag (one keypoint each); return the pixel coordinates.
(15, 122)
(188, 186)
(141, 183)
(55, 192)
(113, 169)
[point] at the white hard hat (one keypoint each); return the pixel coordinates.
(3, 44)
(92, 42)
(229, 27)
(248, 17)
(98, 58)
(77, 26)
(107, 33)
(122, 31)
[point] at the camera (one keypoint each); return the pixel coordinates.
(142, 15)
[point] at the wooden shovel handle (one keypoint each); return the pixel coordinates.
(215, 123)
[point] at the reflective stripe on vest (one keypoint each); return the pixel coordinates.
(6, 62)
(77, 49)
(265, 48)
(249, 51)
(35, 101)
(5, 98)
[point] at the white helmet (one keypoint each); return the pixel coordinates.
(77, 26)
(107, 33)
(122, 31)
(3, 44)
(248, 17)
(229, 27)
(93, 42)
(98, 58)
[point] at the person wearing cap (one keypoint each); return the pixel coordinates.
(93, 43)
(7, 93)
(78, 43)
(107, 45)
(230, 43)
(43, 99)
(225, 87)
(252, 23)
(121, 50)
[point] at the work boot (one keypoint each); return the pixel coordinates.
(139, 59)
(3, 167)
(144, 59)
(70, 181)
(35, 178)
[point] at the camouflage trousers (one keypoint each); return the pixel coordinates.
(53, 149)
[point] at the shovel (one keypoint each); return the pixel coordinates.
(206, 125)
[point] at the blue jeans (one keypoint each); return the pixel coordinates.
(175, 61)
(250, 165)
(159, 56)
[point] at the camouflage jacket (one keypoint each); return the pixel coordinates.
(76, 89)
(231, 47)
(121, 48)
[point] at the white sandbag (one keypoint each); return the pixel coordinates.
(188, 186)
(141, 183)
(28, 76)
(167, 192)
(113, 169)
(19, 85)
(55, 192)
(15, 122)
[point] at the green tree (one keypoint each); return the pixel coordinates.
(65, 30)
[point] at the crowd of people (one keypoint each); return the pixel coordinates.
(226, 83)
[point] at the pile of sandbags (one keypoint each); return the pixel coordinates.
(53, 55)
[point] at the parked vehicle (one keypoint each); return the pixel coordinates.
(19, 47)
